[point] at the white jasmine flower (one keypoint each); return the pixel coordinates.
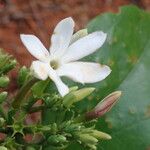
(61, 58)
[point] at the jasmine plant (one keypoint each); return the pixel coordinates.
(66, 124)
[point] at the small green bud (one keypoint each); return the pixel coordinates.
(51, 100)
(78, 35)
(9, 66)
(2, 121)
(44, 128)
(4, 81)
(74, 88)
(30, 148)
(86, 138)
(92, 147)
(54, 139)
(101, 135)
(22, 76)
(3, 148)
(76, 96)
(3, 96)
(54, 128)
(61, 139)
(68, 100)
(82, 93)
(72, 127)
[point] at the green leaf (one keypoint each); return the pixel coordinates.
(127, 52)
(39, 88)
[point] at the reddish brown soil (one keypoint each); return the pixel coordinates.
(40, 17)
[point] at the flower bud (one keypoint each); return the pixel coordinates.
(80, 94)
(44, 128)
(72, 128)
(9, 66)
(4, 81)
(78, 35)
(76, 96)
(30, 148)
(2, 121)
(92, 147)
(22, 76)
(101, 135)
(104, 106)
(86, 138)
(74, 88)
(54, 139)
(3, 148)
(3, 96)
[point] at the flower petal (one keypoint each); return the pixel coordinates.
(35, 47)
(78, 35)
(40, 70)
(84, 72)
(85, 46)
(61, 37)
(62, 88)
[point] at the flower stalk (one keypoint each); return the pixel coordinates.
(22, 93)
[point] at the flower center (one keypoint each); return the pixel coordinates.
(54, 64)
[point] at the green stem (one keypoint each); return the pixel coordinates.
(2, 113)
(80, 119)
(36, 109)
(30, 102)
(40, 108)
(22, 93)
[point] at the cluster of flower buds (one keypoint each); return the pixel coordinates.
(6, 64)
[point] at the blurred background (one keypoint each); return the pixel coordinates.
(39, 17)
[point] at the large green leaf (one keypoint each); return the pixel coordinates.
(127, 52)
(129, 122)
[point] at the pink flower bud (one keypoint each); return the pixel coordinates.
(104, 106)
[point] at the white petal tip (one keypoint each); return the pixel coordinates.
(22, 36)
(102, 35)
(25, 37)
(106, 70)
(69, 20)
